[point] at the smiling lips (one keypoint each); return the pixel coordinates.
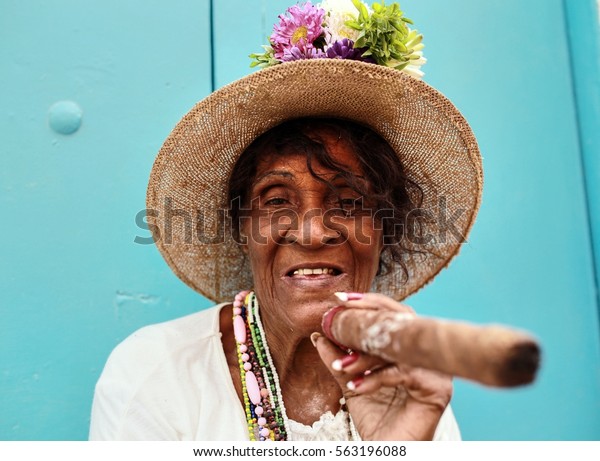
(305, 278)
(317, 271)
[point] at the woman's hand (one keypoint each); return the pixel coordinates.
(387, 401)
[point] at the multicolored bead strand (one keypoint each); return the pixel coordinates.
(239, 330)
(260, 384)
(263, 402)
(281, 415)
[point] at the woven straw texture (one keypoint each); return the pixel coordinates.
(187, 192)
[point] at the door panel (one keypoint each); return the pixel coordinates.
(528, 261)
(73, 281)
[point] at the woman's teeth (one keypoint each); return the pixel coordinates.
(318, 271)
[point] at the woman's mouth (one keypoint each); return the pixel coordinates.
(311, 272)
(307, 272)
(323, 277)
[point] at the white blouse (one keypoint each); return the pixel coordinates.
(171, 381)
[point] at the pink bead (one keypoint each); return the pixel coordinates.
(264, 392)
(247, 366)
(237, 310)
(243, 348)
(239, 297)
(259, 411)
(262, 421)
(253, 390)
(245, 357)
(237, 304)
(239, 329)
(264, 432)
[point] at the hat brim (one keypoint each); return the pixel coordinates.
(187, 191)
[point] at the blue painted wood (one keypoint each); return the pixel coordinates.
(528, 263)
(584, 39)
(253, 22)
(73, 282)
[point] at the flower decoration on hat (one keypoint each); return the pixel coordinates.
(345, 29)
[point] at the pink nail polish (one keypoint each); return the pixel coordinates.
(347, 360)
(355, 383)
(345, 296)
(326, 325)
(354, 296)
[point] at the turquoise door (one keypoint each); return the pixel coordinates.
(90, 90)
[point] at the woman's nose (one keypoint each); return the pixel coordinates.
(312, 230)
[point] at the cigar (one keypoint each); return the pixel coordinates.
(492, 355)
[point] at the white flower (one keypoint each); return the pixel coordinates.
(414, 68)
(339, 5)
(339, 11)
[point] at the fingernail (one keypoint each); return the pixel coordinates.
(355, 383)
(314, 337)
(343, 296)
(347, 360)
(326, 325)
(328, 319)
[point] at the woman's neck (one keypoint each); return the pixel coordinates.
(307, 387)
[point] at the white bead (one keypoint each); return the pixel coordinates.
(254, 310)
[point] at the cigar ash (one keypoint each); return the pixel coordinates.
(379, 335)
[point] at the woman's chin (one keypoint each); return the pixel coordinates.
(306, 312)
(304, 301)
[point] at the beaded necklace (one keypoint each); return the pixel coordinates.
(263, 403)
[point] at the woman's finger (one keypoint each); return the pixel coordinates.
(357, 363)
(329, 353)
(371, 301)
(362, 305)
(346, 364)
(425, 386)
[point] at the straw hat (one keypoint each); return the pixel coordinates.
(187, 192)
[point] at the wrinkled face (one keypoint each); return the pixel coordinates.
(306, 241)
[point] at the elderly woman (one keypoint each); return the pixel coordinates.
(333, 175)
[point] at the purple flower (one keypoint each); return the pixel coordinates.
(299, 24)
(302, 51)
(344, 49)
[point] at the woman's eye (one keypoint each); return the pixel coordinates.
(344, 206)
(351, 202)
(275, 201)
(351, 206)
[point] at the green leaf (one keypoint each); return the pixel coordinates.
(362, 9)
(353, 24)
(385, 34)
(264, 59)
